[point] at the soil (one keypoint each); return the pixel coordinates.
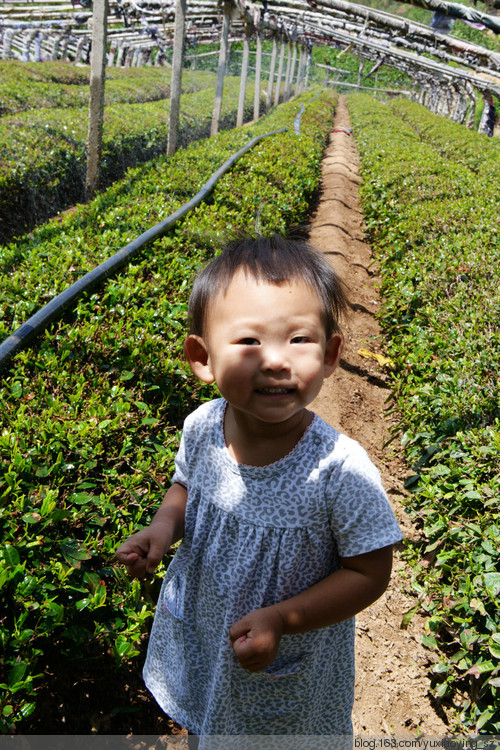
(392, 687)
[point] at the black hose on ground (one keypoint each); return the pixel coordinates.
(41, 319)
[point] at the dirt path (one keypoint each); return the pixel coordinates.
(392, 687)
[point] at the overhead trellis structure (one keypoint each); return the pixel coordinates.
(447, 72)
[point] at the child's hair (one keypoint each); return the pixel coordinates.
(275, 260)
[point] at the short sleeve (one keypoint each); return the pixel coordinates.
(181, 470)
(361, 516)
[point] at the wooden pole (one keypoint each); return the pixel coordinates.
(272, 69)
(300, 72)
(176, 79)
(219, 87)
(258, 69)
(292, 69)
(243, 79)
(360, 71)
(96, 106)
(308, 68)
(288, 68)
(277, 90)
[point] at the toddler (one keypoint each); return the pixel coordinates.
(286, 530)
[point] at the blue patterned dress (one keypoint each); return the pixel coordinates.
(255, 536)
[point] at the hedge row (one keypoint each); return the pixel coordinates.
(43, 160)
(90, 417)
(47, 85)
(432, 210)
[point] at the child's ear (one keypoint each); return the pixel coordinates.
(333, 350)
(196, 352)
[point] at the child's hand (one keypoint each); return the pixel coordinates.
(143, 551)
(256, 637)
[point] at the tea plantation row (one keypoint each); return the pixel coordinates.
(43, 160)
(90, 417)
(431, 204)
(28, 86)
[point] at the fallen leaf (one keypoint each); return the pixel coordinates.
(383, 361)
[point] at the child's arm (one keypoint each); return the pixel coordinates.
(143, 551)
(360, 581)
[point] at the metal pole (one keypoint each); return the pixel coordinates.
(219, 88)
(96, 107)
(176, 79)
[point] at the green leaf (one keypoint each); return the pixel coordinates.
(81, 498)
(73, 553)
(11, 555)
(492, 583)
(16, 674)
(482, 667)
(429, 641)
(484, 718)
(408, 616)
(494, 650)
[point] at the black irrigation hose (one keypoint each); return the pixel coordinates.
(41, 319)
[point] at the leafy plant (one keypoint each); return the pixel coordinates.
(43, 162)
(91, 415)
(432, 216)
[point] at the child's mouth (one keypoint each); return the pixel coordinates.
(274, 391)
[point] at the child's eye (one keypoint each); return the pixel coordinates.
(301, 340)
(248, 341)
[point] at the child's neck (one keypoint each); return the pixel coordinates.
(257, 443)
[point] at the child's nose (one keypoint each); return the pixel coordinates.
(274, 358)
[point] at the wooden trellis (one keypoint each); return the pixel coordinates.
(145, 32)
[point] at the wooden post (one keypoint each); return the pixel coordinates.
(288, 68)
(176, 78)
(219, 87)
(272, 69)
(7, 44)
(360, 72)
(38, 47)
(277, 90)
(300, 72)
(96, 107)
(258, 69)
(308, 67)
(292, 70)
(243, 78)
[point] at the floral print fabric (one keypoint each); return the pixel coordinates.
(255, 536)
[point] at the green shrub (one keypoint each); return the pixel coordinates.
(43, 159)
(432, 216)
(91, 415)
(32, 86)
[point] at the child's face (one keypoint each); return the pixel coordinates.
(265, 347)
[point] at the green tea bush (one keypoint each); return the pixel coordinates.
(91, 416)
(432, 212)
(31, 86)
(43, 159)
